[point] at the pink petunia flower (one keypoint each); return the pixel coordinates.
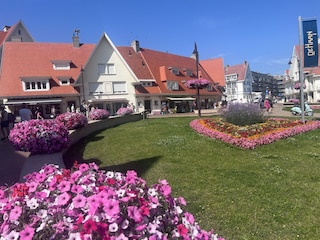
(63, 199)
(79, 201)
(133, 213)
(27, 233)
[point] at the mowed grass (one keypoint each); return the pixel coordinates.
(272, 192)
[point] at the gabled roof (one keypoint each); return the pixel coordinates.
(29, 60)
(158, 66)
(239, 69)
(5, 35)
(215, 68)
(105, 39)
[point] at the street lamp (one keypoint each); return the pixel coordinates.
(82, 81)
(195, 52)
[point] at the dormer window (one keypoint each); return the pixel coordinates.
(36, 84)
(61, 64)
(189, 72)
(175, 70)
(64, 80)
(172, 85)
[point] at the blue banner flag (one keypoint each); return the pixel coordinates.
(310, 37)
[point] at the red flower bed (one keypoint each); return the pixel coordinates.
(249, 137)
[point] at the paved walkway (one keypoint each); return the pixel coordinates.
(12, 161)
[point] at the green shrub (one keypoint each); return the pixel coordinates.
(242, 114)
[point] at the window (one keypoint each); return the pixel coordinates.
(119, 87)
(106, 68)
(172, 85)
(189, 72)
(147, 84)
(96, 88)
(37, 85)
(61, 64)
(156, 103)
(64, 80)
(175, 70)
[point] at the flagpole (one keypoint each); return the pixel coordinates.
(301, 75)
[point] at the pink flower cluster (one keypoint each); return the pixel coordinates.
(297, 85)
(98, 114)
(72, 120)
(39, 136)
(194, 83)
(88, 203)
(251, 142)
(124, 111)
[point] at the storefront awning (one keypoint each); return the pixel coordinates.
(33, 101)
(181, 99)
(108, 100)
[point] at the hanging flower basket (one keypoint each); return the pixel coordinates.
(297, 86)
(197, 83)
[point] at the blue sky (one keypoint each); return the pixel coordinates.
(261, 32)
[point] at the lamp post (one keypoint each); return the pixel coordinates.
(82, 80)
(195, 52)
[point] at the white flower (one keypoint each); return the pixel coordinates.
(110, 174)
(152, 192)
(113, 227)
(32, 203)
(13, 235)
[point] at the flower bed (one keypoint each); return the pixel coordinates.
(249, 137)
(72, 120)
(124, 111)
(39, 136)
(98, 114)
(88, 203)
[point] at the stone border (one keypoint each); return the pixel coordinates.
(98, 125)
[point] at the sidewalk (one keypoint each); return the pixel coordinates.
(11, 163)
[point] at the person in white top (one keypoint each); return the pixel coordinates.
(25, 113)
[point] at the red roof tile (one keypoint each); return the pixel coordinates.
(28, 59)
(215, 69)
(159, 65)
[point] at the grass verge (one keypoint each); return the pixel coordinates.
(271, 192)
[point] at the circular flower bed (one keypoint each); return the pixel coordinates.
(98, 114)
(39, 136)
(124, 111)
(72, 120)
(88, 203)
(251, 136)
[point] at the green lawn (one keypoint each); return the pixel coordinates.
(272, 192)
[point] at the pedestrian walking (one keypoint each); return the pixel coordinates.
(25, 113)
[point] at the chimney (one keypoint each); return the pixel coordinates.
(6, 28)
(136, 46)
(75, 38)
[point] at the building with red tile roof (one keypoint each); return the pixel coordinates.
(41, 73)
(162, 78)
(239, 83)
(65, 74)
